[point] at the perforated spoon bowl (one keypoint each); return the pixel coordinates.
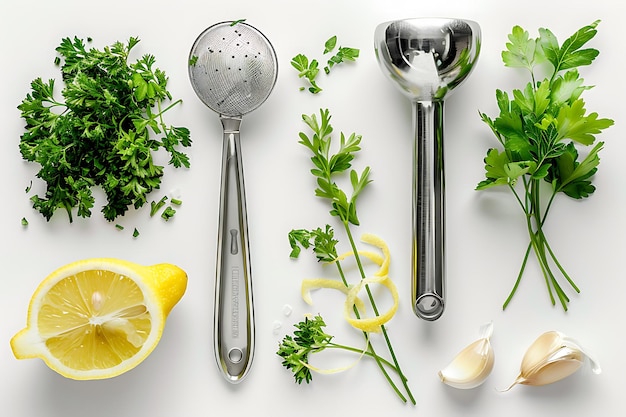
(233, 69)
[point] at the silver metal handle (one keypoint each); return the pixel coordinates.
(428, 263)
(234, 312)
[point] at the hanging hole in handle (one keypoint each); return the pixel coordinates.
(429, 307)
(235, 355)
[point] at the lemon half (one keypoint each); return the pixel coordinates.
(98, 318)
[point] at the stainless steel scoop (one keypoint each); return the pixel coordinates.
(233, 69)
(426, 58)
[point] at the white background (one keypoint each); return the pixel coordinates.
(486, 234)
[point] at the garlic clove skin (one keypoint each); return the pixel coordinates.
(471, 367)
(551, 358)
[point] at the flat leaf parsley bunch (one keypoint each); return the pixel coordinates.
(310, 337)
(104, 131)
(539, 129)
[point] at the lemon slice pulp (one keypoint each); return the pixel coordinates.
(99, 318)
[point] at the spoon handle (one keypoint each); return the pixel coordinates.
(428, 261)
(234, 316)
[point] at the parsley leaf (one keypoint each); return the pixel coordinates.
(569, 55)
(323, 241)
(330, 44)
(520, 50)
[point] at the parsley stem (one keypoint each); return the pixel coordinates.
(535, 220)
(538, 237)
(375, 309)
(558, 264)
(370, 348)
(174, 104)
(369, 353)
(519, 277)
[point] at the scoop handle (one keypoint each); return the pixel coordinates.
(234, 312)
(428, 260)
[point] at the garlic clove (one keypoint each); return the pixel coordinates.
(540, 349)
(551, 358)
(471, 367)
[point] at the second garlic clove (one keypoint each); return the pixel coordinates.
(471, 367)
(551, 358)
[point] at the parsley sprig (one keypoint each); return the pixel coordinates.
(103, 133)
(328, 163)
(310, 338)
(539, 129)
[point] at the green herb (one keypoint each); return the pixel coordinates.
(309, 69)
(323, 242)
(539, 128)
(30, 185)
(193, 60)
(176, 201)
(310, 338)
(156, 206)
(327, 164)
(104, 131)
(119, 227)
(168, 213)
(330, 44)
(24, 222)
(236, 22)
(343, 54)
(135, 233)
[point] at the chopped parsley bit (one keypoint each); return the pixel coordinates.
(119, 227)
(24, 222)
(168, 213)
(309, 69)
(156, 206)
(193, 60)
(27, 190)
(237, 22)
(135, 233)
(176, 201)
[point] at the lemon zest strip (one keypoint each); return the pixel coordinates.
(372, 256)
(371, 324)
(316, 283)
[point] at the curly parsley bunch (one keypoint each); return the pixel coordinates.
(104, 131)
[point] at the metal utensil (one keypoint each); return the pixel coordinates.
(426, 58)
(233, 69)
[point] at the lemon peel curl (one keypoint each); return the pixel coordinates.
(381, 277)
